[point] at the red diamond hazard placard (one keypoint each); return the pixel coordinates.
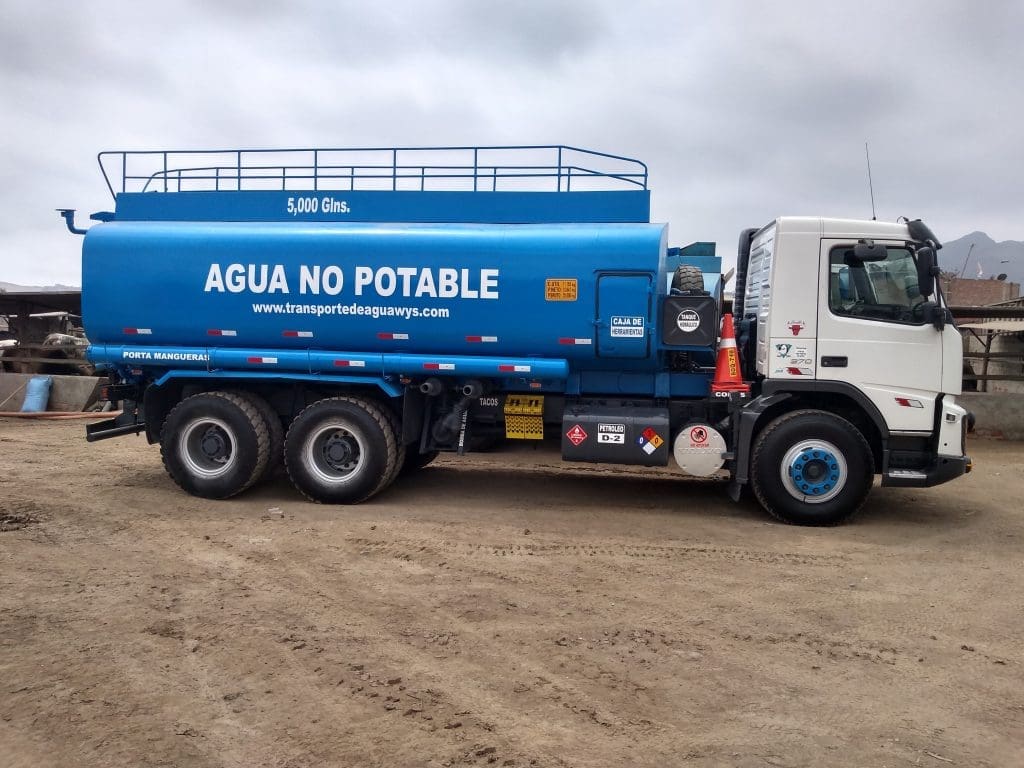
(576, 435)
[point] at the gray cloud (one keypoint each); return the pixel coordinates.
(743, 112)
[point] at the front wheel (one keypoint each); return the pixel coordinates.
(811, 468)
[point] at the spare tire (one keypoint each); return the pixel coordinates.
(688, 280)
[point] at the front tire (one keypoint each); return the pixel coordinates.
(215, 444)
(341, 450)
(811, 468)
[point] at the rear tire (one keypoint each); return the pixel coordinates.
(341, 450)
(811, 468)
(401, 449)
(275, 429)
(215, 444)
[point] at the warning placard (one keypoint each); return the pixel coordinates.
(576, 435)
(561, 289)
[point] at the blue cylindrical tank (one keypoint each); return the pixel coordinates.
(531, 290)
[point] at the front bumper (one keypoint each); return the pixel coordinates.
(946, 468)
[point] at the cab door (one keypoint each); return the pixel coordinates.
(872, 333)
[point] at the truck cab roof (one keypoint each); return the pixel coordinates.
(834, 227)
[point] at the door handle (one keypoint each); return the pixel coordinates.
(828, 361)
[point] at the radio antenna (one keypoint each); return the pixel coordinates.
(871, 187)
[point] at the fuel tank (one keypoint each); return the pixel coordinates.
(579, 292)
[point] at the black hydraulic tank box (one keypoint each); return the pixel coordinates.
(616, 433)
(689, 321)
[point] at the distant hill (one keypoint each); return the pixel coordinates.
(15, 288)
(994, 258)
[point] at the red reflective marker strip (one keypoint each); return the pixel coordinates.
(220, 332)
(297, 334)
(350, 363)
(514, 368)
(262, 360)
(907, 402)
(393, 336)
(138, 331)
(482, 339)
(439, 366)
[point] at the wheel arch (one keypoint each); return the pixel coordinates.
(837, 398)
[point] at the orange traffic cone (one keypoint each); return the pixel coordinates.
(727, 369)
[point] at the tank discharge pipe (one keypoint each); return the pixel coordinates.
(431, 387)
(473, 389)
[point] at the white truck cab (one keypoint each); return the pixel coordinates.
(844, 331)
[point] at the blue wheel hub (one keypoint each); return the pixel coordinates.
(814, 471)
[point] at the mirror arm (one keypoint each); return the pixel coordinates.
(940, 314)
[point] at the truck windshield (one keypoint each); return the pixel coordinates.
(879, 290)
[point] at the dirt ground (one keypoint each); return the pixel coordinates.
(482, 615)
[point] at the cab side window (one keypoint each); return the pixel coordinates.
(885, 290)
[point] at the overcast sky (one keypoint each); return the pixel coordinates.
(743, 111)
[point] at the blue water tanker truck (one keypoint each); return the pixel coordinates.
(352, 313)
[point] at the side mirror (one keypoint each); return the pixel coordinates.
(927, 270)
(920, 232)
(866, 250)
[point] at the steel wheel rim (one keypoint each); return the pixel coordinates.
(208, 447)
(334, 453)
(814, 471)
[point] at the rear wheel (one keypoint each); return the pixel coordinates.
(811, 468)
(401, 449)
(341, 450)
(275, 430)
(215, 444)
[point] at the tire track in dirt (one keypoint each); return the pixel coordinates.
(825, 645)
(569, 697)
(727, 656)
(475, 706)
(374, 688)
(408, 549)
(377, 684)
